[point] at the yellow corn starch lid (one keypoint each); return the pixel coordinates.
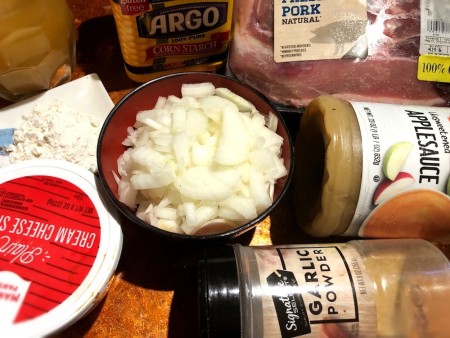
(59, 246)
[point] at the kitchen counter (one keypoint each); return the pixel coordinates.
(153, 292)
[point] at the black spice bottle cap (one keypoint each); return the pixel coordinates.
(218, 293)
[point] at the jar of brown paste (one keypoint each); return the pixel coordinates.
(373, 170)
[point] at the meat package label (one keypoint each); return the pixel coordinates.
(435, 27)
(434, 61)
(319, 29)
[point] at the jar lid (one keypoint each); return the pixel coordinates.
(218, 293)
(59, 246)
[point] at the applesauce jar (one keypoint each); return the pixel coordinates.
(373, 170)
(37, 46)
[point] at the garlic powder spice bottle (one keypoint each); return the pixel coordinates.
(363, 288)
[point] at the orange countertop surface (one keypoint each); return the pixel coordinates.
(153, 292)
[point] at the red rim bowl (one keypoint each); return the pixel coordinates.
(123, 115)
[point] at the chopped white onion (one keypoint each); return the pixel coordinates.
(205, 156)
(243, 104)
(197, 90)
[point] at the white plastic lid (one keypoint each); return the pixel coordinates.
(59, 246)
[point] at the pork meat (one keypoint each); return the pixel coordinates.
(387, 74)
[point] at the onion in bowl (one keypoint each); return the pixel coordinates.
(207, 157)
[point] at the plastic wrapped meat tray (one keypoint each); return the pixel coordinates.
(388, 74)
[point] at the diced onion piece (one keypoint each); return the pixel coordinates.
(123, 162)
(243, 104)
(179, 113)
(144, 114)
(190, 214)
(148, 157)
(163, 140)
(204, 184)
(190, 102)
(245, 170)
(197, 90)
(161, 102)
(229, 213)
(202, 154)
(206, 212)
(209, 155)
(259, 191)
(167, 213)
(169, 225)
(234, 140)
(158, 179)
(180, 143)
(127, 194)
(156, 118)
(263, 160)
(271, 139)
(244, 206)
(272, 124)
(214, 105)
(198, 216)
(281, 170)
(173, 99)
(196, 122)
(257, 121)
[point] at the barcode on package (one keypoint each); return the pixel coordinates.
(435, 27)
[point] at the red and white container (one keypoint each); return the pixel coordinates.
(59, 246)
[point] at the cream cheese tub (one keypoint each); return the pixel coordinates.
(373, 170)
(59, 246)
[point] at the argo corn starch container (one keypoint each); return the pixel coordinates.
(163, 37)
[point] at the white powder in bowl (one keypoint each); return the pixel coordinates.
(57, 131)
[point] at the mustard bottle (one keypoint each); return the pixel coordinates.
(373, 170)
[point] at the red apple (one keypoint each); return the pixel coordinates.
(389, 188)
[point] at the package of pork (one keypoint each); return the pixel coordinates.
(392, 51)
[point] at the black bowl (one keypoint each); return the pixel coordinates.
(123, 115)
